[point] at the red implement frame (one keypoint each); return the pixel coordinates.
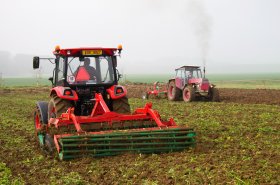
(102, 115)
(156, 91)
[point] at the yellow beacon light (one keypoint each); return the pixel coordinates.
(57, 48)
(119, 47)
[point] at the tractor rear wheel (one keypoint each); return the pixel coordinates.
(57, 106)
(121, 105)
(214, 94)
(188, 94)
(173, 93)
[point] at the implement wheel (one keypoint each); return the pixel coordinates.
(57, 106)
(49, 147)
(121, 105)
(188, 94)
(39, 127)
(173, 92)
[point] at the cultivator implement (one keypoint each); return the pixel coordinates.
(107, 133)
(114, 143)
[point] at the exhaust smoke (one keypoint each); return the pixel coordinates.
(202, 24)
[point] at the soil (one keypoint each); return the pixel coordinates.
(201, 165)
(248, 96)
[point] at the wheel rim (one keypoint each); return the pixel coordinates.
(38, 124)
(171, 89)
(38, 128)
(187, 95)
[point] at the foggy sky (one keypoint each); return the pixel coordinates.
(157, 35)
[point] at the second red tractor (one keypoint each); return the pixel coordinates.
(189, 84)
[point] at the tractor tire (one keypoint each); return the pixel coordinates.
(121, 106)
(57, 106)
(188, 94)
(173, 93)
(214, 95)
(39, 127)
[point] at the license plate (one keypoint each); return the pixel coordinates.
(92, 52)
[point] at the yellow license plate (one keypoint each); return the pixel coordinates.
(92, 52)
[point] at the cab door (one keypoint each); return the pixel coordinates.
(179, 79)
(60, 71)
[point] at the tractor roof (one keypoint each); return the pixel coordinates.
(77, 52)
(188, 67)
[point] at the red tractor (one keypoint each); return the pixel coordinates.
(88, 113)
(190, 85)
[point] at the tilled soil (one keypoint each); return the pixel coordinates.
(248, 96)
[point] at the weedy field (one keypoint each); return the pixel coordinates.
(237, 143)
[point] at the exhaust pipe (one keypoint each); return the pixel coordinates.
(203, 71)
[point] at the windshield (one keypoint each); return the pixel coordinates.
(90, 70)
(193, 73)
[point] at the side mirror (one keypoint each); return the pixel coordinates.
(118, 75)
(36, 62)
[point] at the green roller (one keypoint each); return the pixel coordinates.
(114, 143)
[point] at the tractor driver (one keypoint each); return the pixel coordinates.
(190, 74)
(91, 70)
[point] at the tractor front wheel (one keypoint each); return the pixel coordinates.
(188, 94)
(39, 127)
(121, 105)
(173, 93)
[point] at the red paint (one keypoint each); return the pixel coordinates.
(75, 52)
(102, 115)
(205, 85)
(156, 90)
(59, 91)
(112, 91)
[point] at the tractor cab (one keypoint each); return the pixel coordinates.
(190, 84)
(187, 75)
(189, 72)
(85, 67)
(90, 70)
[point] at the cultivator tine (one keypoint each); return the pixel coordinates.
(114, 143)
